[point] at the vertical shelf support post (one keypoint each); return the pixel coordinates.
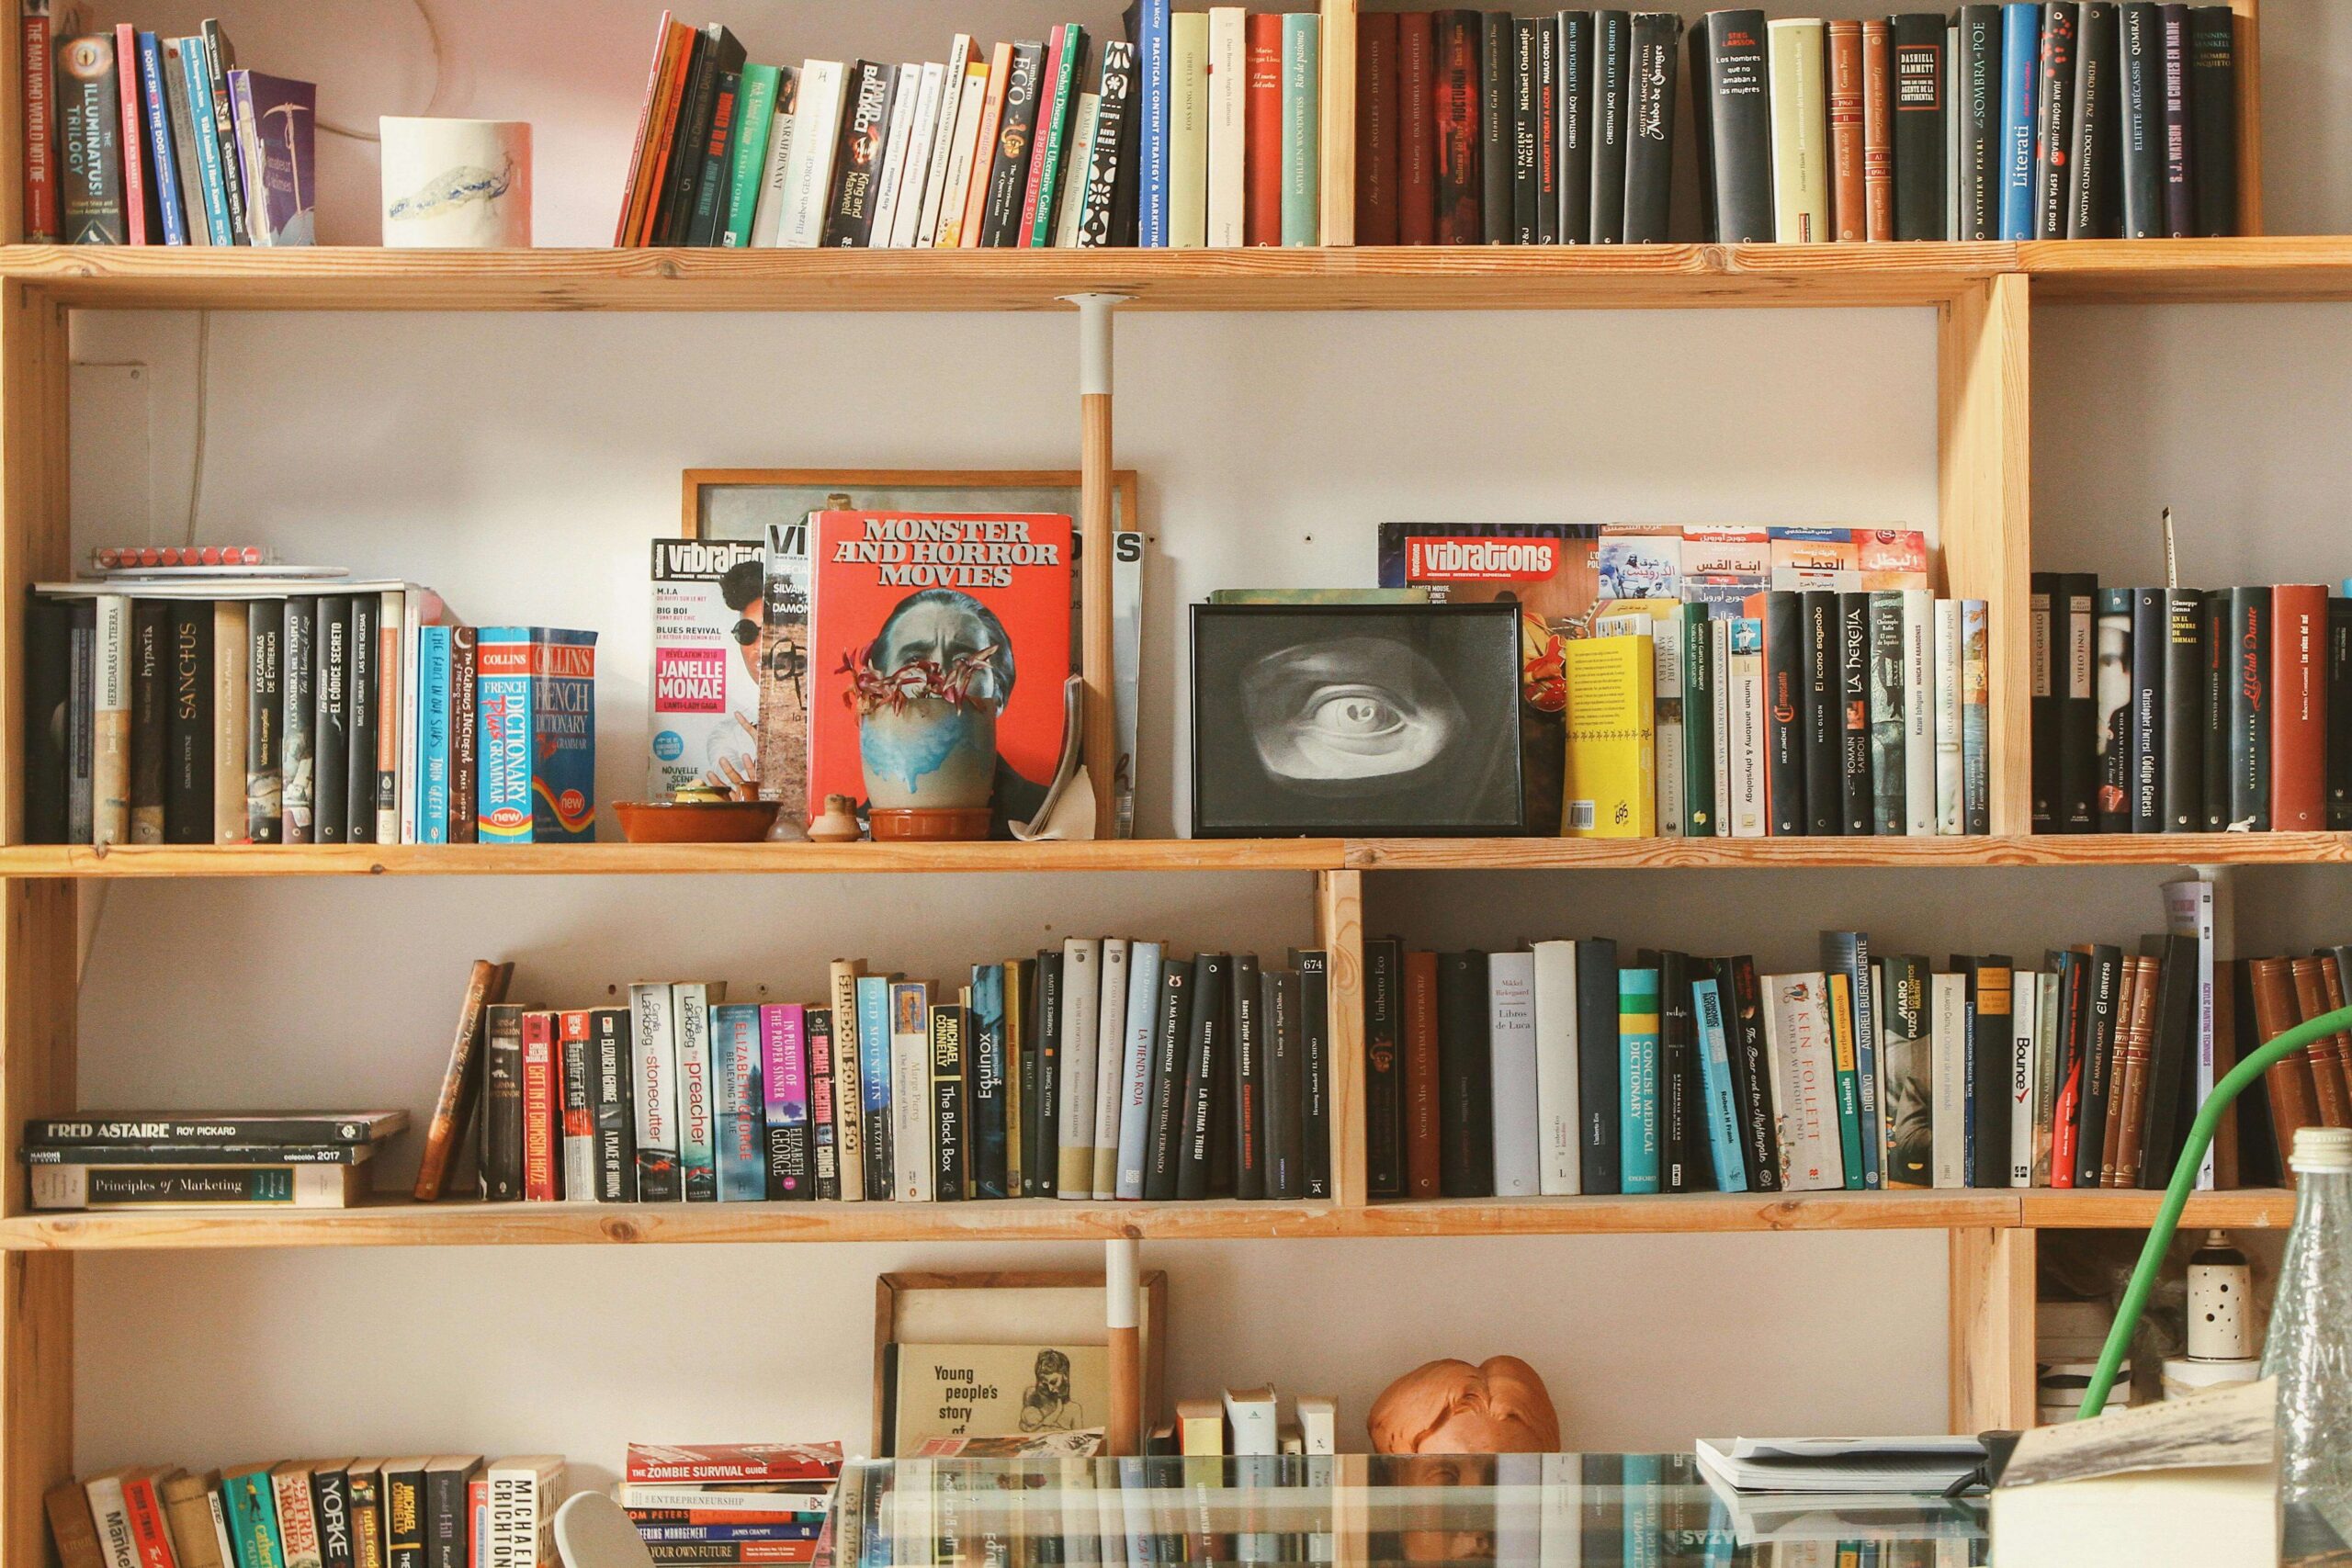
(1338, 927)
(1991, 1285)
(1122, 1278)
(1097, 493)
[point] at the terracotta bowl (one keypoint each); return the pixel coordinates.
(695, 821)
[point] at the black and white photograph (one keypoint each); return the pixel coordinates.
(1352, 719)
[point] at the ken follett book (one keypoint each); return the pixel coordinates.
(932, 627)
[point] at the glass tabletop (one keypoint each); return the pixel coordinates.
(1545, 1510)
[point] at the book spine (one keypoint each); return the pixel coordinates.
(951, 1148)
(824, 1154)
(855, 199)
(542, 1109)
(1110, 1065)
(1857, 807)
(2043, 712)
(612, 1080)
(1878, 130)
(1188, 129)
(362, 692)
(1378, 126)
(2092, 193)
(2298, 708)
(1889, 811)
(2181, 775)
(1302, 151)
(2151, 640)
(1204, 1071)
(1785, 725)
(783, 1101)
(1384, 1068)
(2179, 197)
(231, 707)
(1496, 40)
(1979, 44)
(218, 63)
(156, 138)
(137, 203)
(79, 721)
(151, 638)
(1111, 174)
(1575, 125)
(716, 149)
(1737, 108)
(37, 111)
(1918, 84)
(1800, 130)
(1155, 82)
(111, 721)
(1847, 957)
(2142, 159)
(691, 1005)
(1918, 712)
(2054, 133)
(1058, 110)
(2339, 745)
(877, 1086)
(1850, 123)
(2020, 60)
(575, 1049)
(1264, 124)
(1837, 994)
(1649, 146)
(653, 1043)
(1599, 1067)
(264, 720)
(1545, 149)
(2251, 696)
(1976, 718)
(748, 158)
(1637, 1036)
(1171, 1037)
(1699, 740)
(1135, 1079)
(2213, 118)
(1612, 103)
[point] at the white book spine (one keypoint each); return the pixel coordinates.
(1560, 1543)
(1947, 694)
(1804, 1067)
(2026, 1001)
(111, 1514)
(1918, 712)
(816, 123)
(1144, 959)
(911, 1157)
(1947, 1052)
(776, 181)
(111, 732)
(1719, 653)
(1798, 93)
(1251, 1418)
(1228, 96)
(1558, 1106)
(1746, 744)
(2045, 1077)
(943, 140)
(898, 135)
(1510, 1031)
(1074, 1117)
(656, 1089)
(962, 153)
(1072, 200)
(1665, 640)
(923, 136)
(2189, 911)
(405, 767)
(1110, 1047)
(697, 1128)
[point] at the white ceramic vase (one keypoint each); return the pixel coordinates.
(457, 184)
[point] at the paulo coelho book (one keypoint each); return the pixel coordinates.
(958, 616)
(535, 712)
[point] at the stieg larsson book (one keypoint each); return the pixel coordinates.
(941, 645)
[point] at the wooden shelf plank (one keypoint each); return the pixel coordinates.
(2282, 267)
(1679, 1212)
(1383, 278)
(618, 860)
(2253, 1209)
(2016, 849)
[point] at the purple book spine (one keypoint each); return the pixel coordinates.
(785, 1080)
(276, 144)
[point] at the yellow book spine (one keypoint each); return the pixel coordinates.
(1610, 790)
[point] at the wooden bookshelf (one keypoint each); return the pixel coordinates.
(2007, 850)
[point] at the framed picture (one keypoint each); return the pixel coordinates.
(739, 503)
(1340, 719)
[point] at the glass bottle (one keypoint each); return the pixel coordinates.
(2309, 1346)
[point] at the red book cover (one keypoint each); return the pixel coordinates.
(1454, 103)
(1421, 1179)
(542, 1103)
(670, 1464)
(38, 106)
(1376, 37)
(623, 231)
(134, 129)
(940, 647)
(1048, 81)
(2299, 707)
(1262, 221)
(1415, 128)
(646, 207)
(148, 1532)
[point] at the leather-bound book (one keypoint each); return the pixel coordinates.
(2293, 1102)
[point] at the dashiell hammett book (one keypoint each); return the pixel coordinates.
(941, 641)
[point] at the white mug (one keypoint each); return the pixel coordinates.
(457, 184)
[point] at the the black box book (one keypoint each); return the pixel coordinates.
(1464, 1078)
(2075, 619)
(1599, 1072)
(1041, 1155)
(1285, 1085)
(2099, 1059)
(2171, 1050)
(1009, 172)
(1495, 49)
(1315, 1061)
(1171, 1047)
(2150, 650)
(1524, 168)
(360, 689)
(1825, 800)
(1978, 184)
(1649, 133)
(501, 1103)
(2143, 124)
(1576, 126)
(1734, 103)
(2339, 715)
(2053, 137)
(1784, 745)
(265, 719)
(2180, 198)
(613, 1103)
(950, 1127)
(2249, 710)
(1205, 1063)
(1612, 95)
(1858, 802)
(2094, 192)
(2214, 117)
(188, 780)
(2181, 778)
(1247, 1052)
(151, 718)
(1681, 1131)
(1920, 141)
(1384, 1089)
(48, 633)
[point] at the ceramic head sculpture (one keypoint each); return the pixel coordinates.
(1497, 1408)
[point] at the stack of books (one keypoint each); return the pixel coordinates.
(136, 139)
(450, 1509)
(2182, 710)
(729, 1503)
(244, 701)
(180, 1159)
(1106, 1068)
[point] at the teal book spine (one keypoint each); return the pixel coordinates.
(208, 141)
(1637, 1048)
(1840, 989)
(874, 1080)
(251, 1512)
(1715, 1088)
(1302, 110)
(754, 117)
(432, 734)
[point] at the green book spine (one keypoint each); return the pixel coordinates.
(1056, 132)
(253, 1519)
(754, 117)
(1698, 726)
(1302, 110)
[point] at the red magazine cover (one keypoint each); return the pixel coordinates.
(939, 648)
(678, 1463)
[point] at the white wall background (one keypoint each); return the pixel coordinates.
(519, 463)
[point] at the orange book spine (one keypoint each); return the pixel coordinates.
(2130, 1140)
(2327, 1075)
(1262, 221)
(2119, 1070)
(1878, 130)
(2292, 1103)
(1846, 216)
(1420, 1075)
(976, 205)
(484, 985)
(648, 204)
(624, 230)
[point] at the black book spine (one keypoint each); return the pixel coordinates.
(2054, 130)
(49, 637)
(1751, 1071)
(2043, 714)
(1702, 128)
(2092, 192)
(2213, 118)
(1734, 100)
(2114, 710)
(264, 720)
(1547, 132)
(866, 120)
(712, 180)
(361, 690)
(89, 107)
(502, 1103)
(187, 782)
(1251, 1133)
(2220, 669)
(613, 1083)
(1612, 100)
(2339, 717)
(331, 1507)
(2181, 782)
(1009, 171)
(1110, 167)
(1919, 82)
(81, 695)
(2098, 1045)
(1784, 641)
(1683, 1132)
(1576, 126)
(985, 1065)
(1980, 123)
(950, 1126)
(2172, 1038)
(1171, 1041)
(447, 1517)
(1854, 712)
(1526, 176)
(2142, 126)
(298, 780)
(1465, 1077)
(150, 716)
(1649, 134)
(2249, 738)
(1497, 47)
(1824, 797)
(1315, 1064)
(1461, 189)
(1887, 717)
(1286, 1084)
(2075, 622)
(1599, 1071)
(676, 215)
(2180, 197)
(1206, 1064)
(1384, 1096)
(1041, 1156)
(1991, 1044)
(331, 721)
(2151, 650)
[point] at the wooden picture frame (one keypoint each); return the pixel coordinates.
(1068, 1305)
(944, 487)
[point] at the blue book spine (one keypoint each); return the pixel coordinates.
(564, 735)
(1637, 1049)
(208, 140)
(163, 166)
(874, 1050)
(2020, 103)
(1151, 65)
(1714, 1081)
(735, 1073)
(432, 734)
(692, 1017)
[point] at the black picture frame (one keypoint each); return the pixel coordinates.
(1434, 684)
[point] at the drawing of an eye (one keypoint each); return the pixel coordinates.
(1353, 714)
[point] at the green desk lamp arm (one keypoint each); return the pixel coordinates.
(2184, 1180)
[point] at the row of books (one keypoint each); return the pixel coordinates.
(255, 708)
(1561, 1070)
(1198, 128)
(179, 1159)
(2182, 710)
(1103, 1069)
(136, 139)
(444, 1511)
(729, 1503)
